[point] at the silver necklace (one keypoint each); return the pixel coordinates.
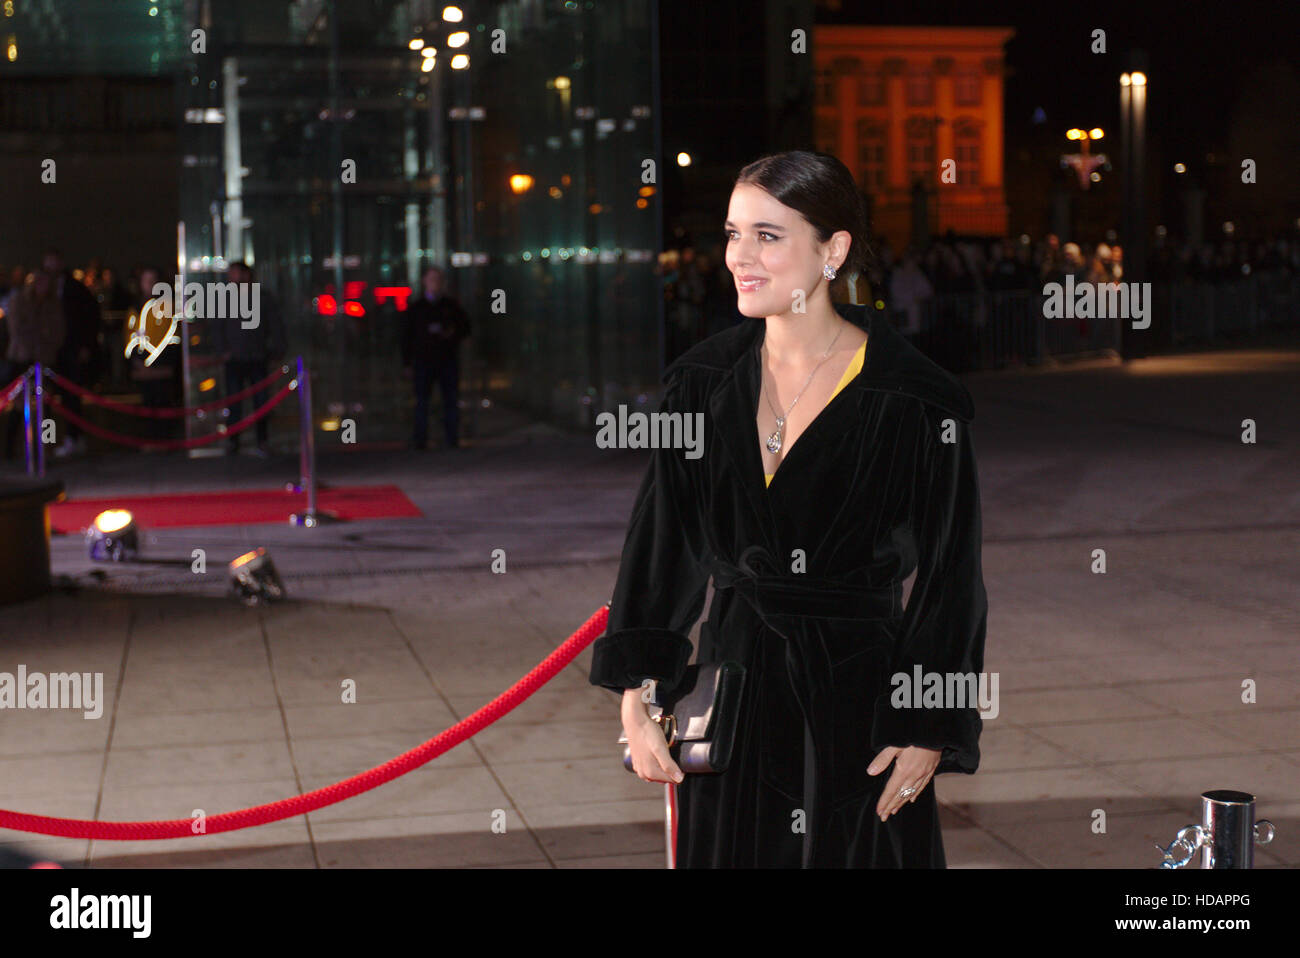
(774, 441)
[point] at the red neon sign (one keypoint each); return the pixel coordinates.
(353, 290)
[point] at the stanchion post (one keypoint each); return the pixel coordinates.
(40, 421)
(306, 449)
(308, 427)
(27, 422)
(304, 418)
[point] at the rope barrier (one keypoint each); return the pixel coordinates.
(9, 392)
(163, 412)
(125, 440)
(508, 700)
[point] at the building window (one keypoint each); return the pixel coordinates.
(920, 89)
(966, 143)
(825, 88)
(920, 149)
(966, 89)
(871, 154)
(871, 89)
(827, 134)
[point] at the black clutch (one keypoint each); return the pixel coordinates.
(700, 717)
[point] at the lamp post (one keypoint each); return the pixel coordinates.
(1085, 161)
(1133, 121)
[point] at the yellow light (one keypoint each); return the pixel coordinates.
(646, 191)
(641, 204)
(1139, 79)
(428, 52)
(9, 8)
(207, 385)
(1179, 168)
(112, 520)
(426, 66)
(1096, 133)
(452, 14)
(457, 39)
(1073, 134)
(683, 159)
(561, 83)
(521, 183)
(13, 50)
(246, 558)
(1125, 80)
(460, 62)
(329, 425)
(416, 44)
(556, 192)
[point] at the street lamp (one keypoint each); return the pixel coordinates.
(1085, 161)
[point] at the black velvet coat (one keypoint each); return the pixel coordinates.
(880, 484)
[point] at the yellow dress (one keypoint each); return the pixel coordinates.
(855, 367)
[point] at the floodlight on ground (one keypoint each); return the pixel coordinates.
(254, 579)
(113, 535)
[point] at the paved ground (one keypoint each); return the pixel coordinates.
(1119, 692)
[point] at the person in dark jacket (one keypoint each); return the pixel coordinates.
(81, 358)
(34, 334)
(434, 326)
(247, 352)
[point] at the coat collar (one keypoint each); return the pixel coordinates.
(892, 364)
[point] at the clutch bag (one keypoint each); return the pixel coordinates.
(699, 717)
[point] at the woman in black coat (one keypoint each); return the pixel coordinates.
(833, 762)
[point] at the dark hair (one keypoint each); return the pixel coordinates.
(821, 189)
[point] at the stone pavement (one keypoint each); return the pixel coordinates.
(1120, 692)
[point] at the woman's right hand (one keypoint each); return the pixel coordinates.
(645, 739)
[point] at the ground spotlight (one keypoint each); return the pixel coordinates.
(254, 579)
(113, 535)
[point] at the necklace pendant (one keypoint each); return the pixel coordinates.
(774, 442)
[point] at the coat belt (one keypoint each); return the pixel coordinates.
(772, 594)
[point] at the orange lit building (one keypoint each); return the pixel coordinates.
(895, 103)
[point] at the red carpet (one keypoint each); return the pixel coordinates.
(236, 508)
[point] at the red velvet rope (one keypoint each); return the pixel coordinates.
(126, 440)
(161, 412)
(9, 392)
(542, 673)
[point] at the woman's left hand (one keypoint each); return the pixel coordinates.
(915, 767)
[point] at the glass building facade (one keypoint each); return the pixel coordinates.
(332, 152)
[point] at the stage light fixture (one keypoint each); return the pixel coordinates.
(254, 579)
(113, 535)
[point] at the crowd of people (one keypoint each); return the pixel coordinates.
(78, 323)
(700, 297)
